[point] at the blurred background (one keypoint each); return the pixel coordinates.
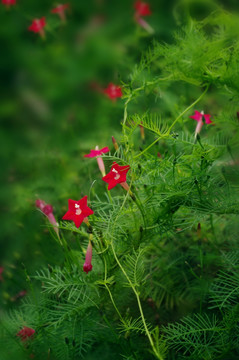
(53, 111)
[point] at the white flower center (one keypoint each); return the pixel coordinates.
(78, 210)
(117, 176)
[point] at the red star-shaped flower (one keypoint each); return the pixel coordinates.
(78, 211)
(37, 25)
(94, 153)
(8, 2)
(142, 8)
(198, 116)
(117, 175)
(26, 333)
(113, 91)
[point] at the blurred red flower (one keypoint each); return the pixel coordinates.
(113, 91)
(9, 2)
(26, 333)
(47, 210)
(37, 26)
(142, 8)
(60, 10)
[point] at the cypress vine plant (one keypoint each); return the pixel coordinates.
(160, 253)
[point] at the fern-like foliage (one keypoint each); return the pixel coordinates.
(198, 336)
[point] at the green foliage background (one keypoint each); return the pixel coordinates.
(51, 116)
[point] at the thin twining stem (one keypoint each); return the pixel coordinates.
(110, 294)
(175, 121)
(158, 355)
(149, 83)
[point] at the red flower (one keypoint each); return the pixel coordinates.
(60, 10)
(1, 271)
(94, 153)
(113, 91)
(88, 258)
(142, 8)
(9, 2)
(26, 333)
(117, 175)
(38, 25)
(78, 211)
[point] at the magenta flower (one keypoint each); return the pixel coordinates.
(200, 117)
(113, 91)
(117, 175)
(48, 211)
(26, 333)
(78, 211)
(37, 26)
(88, 258)
(60, 10)
(96, 152)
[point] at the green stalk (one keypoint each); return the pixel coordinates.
(110, 294)
(188, 108)
(158, 355)
(175, 121)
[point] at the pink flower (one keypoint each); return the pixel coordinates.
(48, 211)
(88, 258)
(9, 2)
(142, 8)
(117, 175)
(26, 333)
(37, 26)
(200, 117)
(78, 211)
(113, 91)
(94, 153)
(1, 271)
(60, 10)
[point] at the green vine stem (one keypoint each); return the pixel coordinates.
(175, 121)
(156, 353)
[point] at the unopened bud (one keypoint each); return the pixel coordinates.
(115, 143)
